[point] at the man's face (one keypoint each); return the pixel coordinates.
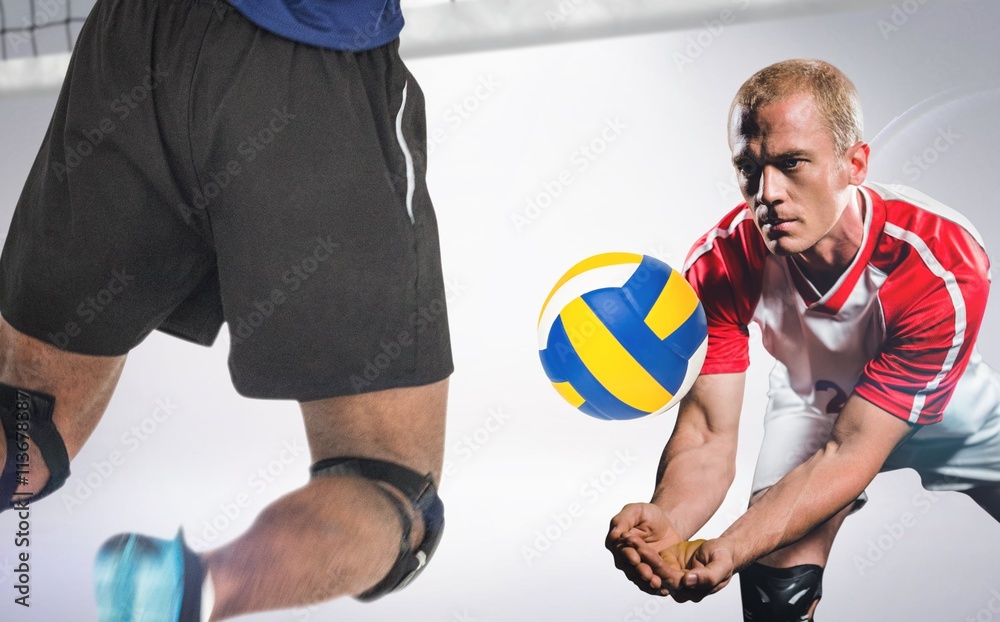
(790, 173)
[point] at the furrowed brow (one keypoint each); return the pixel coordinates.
(790, 154)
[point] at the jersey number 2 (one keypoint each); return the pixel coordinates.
(839, 398)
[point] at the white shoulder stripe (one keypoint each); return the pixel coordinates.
(951, 285)
(712, 236)
(890, 192)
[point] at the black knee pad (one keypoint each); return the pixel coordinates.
(26, 417)
(420, 490)
(780, 594)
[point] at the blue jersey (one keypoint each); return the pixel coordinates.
(350, 25)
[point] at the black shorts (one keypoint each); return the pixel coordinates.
(201, 170)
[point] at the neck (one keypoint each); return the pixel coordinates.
(829, 258)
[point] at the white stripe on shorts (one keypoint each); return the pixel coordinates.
(410, 175)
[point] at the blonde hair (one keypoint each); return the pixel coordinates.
(834, 95)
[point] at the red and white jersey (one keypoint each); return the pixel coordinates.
(898, 327)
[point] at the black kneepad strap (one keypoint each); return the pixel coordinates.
(780, 594)
(26, 417)
(420, 490)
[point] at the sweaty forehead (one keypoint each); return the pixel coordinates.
(788, 124)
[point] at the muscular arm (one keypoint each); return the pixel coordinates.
(699, 462)
(862, 438)
(695, 472)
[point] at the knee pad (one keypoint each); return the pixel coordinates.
(780, 594)
(420, 490)
(26, 417)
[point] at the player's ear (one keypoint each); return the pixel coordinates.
(857, 162)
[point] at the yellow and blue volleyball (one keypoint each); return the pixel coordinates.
(622, 336)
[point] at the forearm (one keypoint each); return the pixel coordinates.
(796, 505)
(695, 475)
(862, 438)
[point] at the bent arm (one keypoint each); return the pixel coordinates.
(862, 438)
(699, 462)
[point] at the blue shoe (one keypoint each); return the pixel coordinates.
(143, 579)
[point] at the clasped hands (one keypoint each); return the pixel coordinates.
(651, 553)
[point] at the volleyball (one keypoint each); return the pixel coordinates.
(622, 336)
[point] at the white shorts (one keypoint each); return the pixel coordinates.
(959, 453)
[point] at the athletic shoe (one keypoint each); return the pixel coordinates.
(143, 579)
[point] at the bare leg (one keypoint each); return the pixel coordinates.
(812, 549)
(988, 498)
(336, 535)
(82, 386)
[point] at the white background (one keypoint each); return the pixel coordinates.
(663, 181)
